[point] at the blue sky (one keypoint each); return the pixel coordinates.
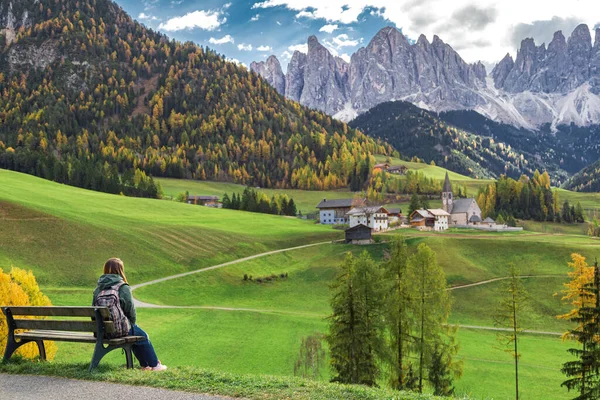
(249, 31)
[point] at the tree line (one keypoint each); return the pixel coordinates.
(393, 316)
(526, 198)
(254, 201)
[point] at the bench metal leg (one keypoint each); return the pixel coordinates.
(128, 356)
(42, 349)
(100, 351)
(12, 346)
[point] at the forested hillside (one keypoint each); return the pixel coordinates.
(419, 133)
(88, 93)
(586, 180)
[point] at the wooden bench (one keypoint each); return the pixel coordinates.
(79, 328)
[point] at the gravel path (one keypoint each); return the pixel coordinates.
(33, 387)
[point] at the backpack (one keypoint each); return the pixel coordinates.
(110, 298)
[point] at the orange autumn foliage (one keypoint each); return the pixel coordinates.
(20, 288)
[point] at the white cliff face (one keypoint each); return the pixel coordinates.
(559, 84)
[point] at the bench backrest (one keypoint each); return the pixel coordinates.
(100, 314)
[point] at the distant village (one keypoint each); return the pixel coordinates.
(362, 219)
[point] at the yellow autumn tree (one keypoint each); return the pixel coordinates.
(20, 288)
(581, 274)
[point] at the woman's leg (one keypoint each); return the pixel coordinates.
(143, 351)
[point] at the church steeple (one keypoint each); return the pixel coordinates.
(447, 196)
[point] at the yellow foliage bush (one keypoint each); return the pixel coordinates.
(19, 288)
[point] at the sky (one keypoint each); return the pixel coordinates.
(246, 31)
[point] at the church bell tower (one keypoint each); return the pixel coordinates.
(447, 196)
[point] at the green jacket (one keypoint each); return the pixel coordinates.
(126, 300)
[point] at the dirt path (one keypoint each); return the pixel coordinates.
(468, 285)
(239, 260)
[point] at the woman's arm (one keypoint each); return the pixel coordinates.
(127, 303)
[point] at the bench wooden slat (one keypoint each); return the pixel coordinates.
(76, 338)
(62, 325)
(58, 311)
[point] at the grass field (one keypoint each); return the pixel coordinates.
(64, 235)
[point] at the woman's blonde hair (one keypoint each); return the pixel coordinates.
(115, 266)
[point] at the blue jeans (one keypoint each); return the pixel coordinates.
(143, 351)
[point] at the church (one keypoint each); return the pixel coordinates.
(463, 212)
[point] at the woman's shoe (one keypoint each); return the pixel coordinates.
(159, 367)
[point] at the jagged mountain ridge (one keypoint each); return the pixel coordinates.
(558, 85)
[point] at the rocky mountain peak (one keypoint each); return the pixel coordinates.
(294, 80)
(597, 41)
(271, 71)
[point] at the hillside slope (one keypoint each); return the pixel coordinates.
(65, 234)
(420, 133)
(88, 93)
(586, 180)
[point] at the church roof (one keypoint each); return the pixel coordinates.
(447, 185)
(475, 218)
(461, 205)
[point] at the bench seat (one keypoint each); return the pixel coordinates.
(77, 337)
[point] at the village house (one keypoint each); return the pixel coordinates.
(462, 212)
(375, 217)
(209, 201)
(381, 167)
(334, 211)
(397, 169)
(359, 234)
(394, 215)
(434, 219)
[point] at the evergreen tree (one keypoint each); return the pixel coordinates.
(579, 214)
(291, 208)
(424, 201)
(353, 337)
(398, 312)
(431, 305)
(414, 203)
(584, 373)
(226, 201)
(440, 371)
(508, 316)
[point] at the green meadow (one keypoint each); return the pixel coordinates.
(64, 235)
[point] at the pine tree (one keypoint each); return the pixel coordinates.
(353, 337)
(584, 373)
(398, 316)
(431, 304)
(414, 203)
(508, 316)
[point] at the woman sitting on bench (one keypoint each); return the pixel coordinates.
(114, 277)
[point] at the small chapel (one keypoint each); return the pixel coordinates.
(463, 212)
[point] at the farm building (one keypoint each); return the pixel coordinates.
(381, 167)
(462, 211)
(334, 211)
(434, 219)
(359, 234)
(375, 217)
(398, 169)
(209, 201)
(394, 215)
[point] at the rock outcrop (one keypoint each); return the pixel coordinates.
(271, 71)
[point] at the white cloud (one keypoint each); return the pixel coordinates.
(329, 28)
(345, 57)
(344, 41)
(278, 23)
(286, 55)
(264, 48)
(302, 48)
(207, 20)
(486, 35)
(144, 16)
(226, 6)
(244, 47)
(223, 40)
(236, 61)
(255, 18)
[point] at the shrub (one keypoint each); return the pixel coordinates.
(245, 277)
(19, 288)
